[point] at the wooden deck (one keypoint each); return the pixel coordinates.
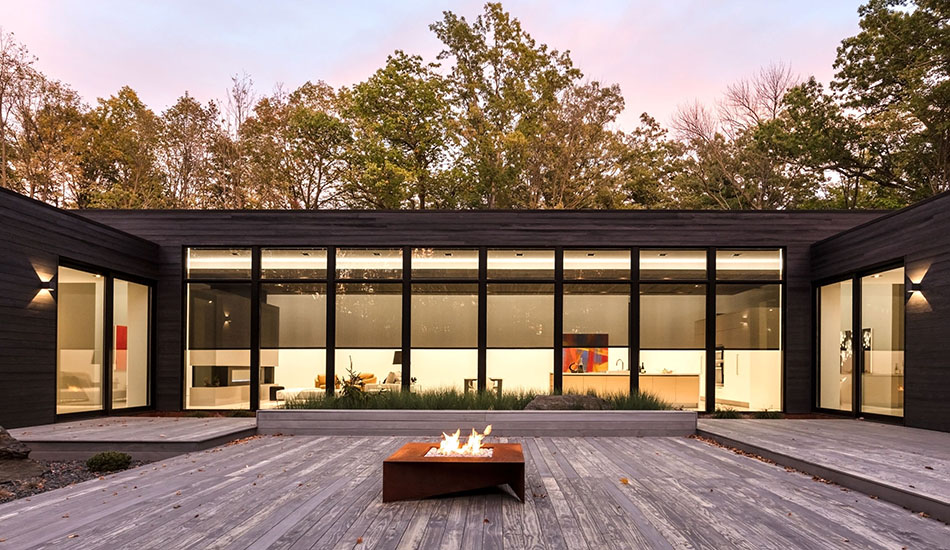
(144, 437)
(907, 466)
(584, 493)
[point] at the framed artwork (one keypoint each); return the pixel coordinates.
(584, 353)
(847, 353)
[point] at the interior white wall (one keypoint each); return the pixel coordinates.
(136, 319)
(753, 377)
(444, 368)
(295, 368)
(521, 369)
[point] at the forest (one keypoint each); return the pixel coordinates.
(500, 121)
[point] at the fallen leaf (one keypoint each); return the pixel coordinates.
(359, 540)
(928, 467)
(72, 536)
(625, 481)
(65, 515)
(176, 506)
(485, 520)
(177, 493)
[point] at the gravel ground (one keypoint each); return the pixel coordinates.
(60, 474)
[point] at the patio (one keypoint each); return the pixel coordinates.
(593, 492)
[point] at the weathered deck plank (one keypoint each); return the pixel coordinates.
(324, 492)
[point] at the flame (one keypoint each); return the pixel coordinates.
(449, 446)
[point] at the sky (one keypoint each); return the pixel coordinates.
(662, 53)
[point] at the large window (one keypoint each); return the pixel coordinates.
(673, 342)
(369, 333)
(882, 343)
(445, 336)
(293, 342)
(218, 356)
(595, 356)
(130, 344)
(80, 303)
(836, 346)
(520, 337)
(748, 346)
(99, 368)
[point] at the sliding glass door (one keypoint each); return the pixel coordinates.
(99, 369)
(861, 361)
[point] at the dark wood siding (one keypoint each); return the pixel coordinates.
(794, 230)
(33, 238)
(920, 236)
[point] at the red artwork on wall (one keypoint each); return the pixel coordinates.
(121, 347)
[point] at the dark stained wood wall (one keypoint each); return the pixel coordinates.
(794, 230)
(920, 236)
(33, 238)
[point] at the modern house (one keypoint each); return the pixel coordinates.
(104, 312)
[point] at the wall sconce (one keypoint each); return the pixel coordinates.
(48, 285)
(914, 287)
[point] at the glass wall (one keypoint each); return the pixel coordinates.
(80, 303)
(673, 343)
(836, 346)
(882, 342)
(130, 344)
(520, 337)
(218, 356)
(369, 333)
(444, 336)
(293, 342)
(748, 346)
(296, 297)
(596, 356)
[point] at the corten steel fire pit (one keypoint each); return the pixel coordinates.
(409, 474)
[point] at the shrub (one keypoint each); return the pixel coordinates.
(726, 413)
(108, 461)
(452, 399)
(768, 415)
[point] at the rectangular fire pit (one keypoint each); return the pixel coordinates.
(408, 474)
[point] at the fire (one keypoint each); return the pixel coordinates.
(451, 446)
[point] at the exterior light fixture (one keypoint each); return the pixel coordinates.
(48, 285)
(914, 287)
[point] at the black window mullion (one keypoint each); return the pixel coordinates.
(406, 318)
(255, 328)
(857, 346)
(558, 363)
(633, 322)
(330, 359)
(710, 329)
(108, 319)
(482, 319)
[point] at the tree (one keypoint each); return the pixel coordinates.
(733, 162)
(16, 69)
(184, 150)
(48, 143)
(651, 166)
(296, 145)
(503, 84)
(573, 161)
(400, 155)
(895, 74)
(118, 157)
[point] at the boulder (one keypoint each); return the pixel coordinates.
(567, 402)
(11, 448)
